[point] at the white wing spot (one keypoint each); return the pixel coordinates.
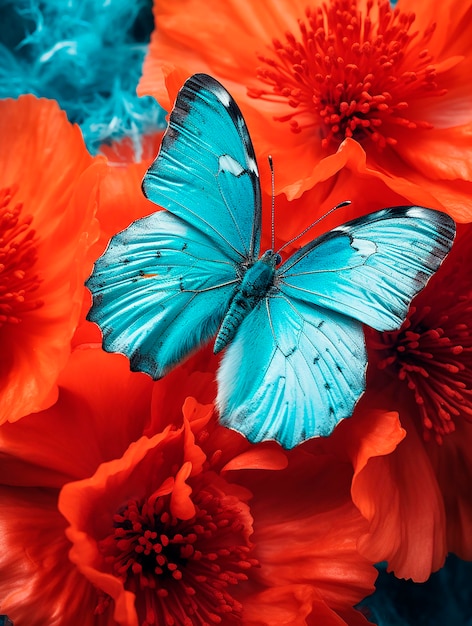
(416, 211)
(228, 164)
(252, 165)
(222, 95)
(342, 229)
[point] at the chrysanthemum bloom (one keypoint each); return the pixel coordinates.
(48, 188)
(310, 75)
(418, 498)
(162, 528)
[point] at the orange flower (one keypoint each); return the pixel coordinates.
(418, 498)
(164, 527)
(48, 186)
(308, 77)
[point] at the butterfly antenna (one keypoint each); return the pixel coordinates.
(272, 178)
(338, 206)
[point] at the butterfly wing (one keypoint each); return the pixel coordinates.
(308, 368)
(206, 171)
(160, 290)
(162, 287)
(372, 267)
(304, 375)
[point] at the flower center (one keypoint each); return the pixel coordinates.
(180, 570)
(432, 354)
(18, 254)
(351, 73)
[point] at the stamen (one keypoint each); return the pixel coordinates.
(180, 570)
(432, 354)
(18, 255)
(350, 73)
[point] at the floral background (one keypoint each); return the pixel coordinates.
(123, 502)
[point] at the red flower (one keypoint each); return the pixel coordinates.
(310, 78)
(48, 190)
(165, 528)
(418, 498)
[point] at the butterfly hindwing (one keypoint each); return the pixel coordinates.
(303, 376)
(372, 267)
(206, 171)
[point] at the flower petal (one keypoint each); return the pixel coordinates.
(43, 156)
(398, 495)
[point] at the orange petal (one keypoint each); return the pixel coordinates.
(296, 539)
(296, 605)
(258, 457)
(44, 157)
(399, 496)
(452, 465)
(36, 573)
(94, 386)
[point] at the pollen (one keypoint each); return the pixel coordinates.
(19, 281)
(180, 570)
(351, 73)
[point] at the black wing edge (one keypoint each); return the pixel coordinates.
(446, 231)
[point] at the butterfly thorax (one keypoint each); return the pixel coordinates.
(254, 286)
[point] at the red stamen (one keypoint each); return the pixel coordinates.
(18, 255)
(432, 354)
(351, 74)
(180, 570)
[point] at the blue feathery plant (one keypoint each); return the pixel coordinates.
(87, 55)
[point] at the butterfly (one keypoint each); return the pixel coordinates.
(295, 360)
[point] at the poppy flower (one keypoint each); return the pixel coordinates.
(133, 529)
(418, 498)
(48, 194)
(310, 77)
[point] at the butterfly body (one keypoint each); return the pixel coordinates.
(294, 358)
(258, 279)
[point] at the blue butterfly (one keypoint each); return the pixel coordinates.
(295, 358)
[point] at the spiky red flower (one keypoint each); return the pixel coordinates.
(168, 528)
(309, 76)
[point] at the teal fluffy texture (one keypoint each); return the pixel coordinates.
(87, 55)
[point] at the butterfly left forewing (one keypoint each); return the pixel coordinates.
(302, 376)
(372, 267)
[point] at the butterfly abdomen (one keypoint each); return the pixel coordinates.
(257, 281)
